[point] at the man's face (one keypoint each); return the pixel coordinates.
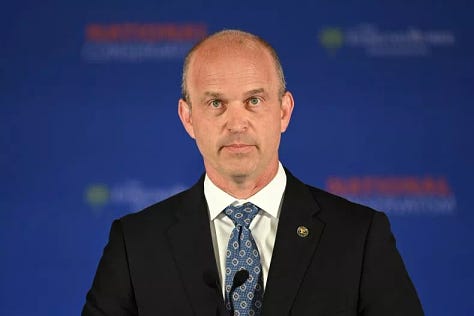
(235, 113)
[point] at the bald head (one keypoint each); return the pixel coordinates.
(233, 39)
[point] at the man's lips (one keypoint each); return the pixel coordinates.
(238, 148)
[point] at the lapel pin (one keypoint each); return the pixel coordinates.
(302, 231)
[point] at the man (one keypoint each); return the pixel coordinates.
(248, 238)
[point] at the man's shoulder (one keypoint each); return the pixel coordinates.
(334, 208)
(343, 214)
(322, 197)
(327, 199)
(166, 212)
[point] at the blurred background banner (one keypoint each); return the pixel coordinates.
(89, 128)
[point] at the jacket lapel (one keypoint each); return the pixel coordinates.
(191, 245)
(292, 253)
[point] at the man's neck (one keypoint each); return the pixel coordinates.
(243, 187)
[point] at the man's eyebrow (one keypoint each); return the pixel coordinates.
(217, 95)
(254, 91)
(213, 94)
(210, 94)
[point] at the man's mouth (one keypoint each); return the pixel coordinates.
(238, 148)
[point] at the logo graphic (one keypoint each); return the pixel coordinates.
(331, 38)
(376, 42)
(398, 195)
(130, 196)
(137, 42)
(97, 195)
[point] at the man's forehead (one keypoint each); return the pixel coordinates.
(237, 80)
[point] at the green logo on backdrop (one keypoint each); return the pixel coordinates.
(331, 38)
(97, 195)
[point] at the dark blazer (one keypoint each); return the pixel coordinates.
(160, 261)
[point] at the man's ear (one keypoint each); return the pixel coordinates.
(184, 112)
(287, 105)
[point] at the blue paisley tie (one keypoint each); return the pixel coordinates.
(242, 254)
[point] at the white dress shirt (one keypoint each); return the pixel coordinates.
(263, 226)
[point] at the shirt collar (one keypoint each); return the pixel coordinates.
(268, 198)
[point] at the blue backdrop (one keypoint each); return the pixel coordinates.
(89, 130)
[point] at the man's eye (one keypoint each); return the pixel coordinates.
(216, 103)
(254, 101)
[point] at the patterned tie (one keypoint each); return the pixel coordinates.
(242, 254)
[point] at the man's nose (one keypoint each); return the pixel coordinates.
(237, 120)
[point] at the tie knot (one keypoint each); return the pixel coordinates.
(241, 215)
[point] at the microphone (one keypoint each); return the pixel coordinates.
(239, 278)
